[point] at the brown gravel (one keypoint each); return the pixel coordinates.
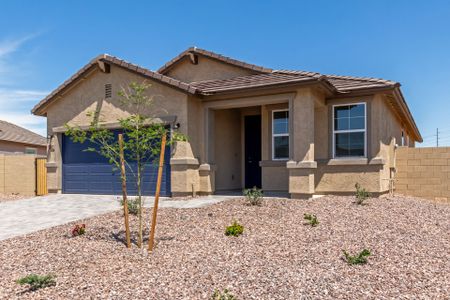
(277, 257)
(12, 197)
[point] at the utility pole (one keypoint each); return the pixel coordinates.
(437, 137)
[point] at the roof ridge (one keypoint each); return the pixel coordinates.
(370, 79)
(214, 55)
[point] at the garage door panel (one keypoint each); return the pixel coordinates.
(84, 174)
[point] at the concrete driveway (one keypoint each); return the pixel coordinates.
(29, 215)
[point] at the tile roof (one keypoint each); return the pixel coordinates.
(207, 87)
(13, 133)
(263, 77)
(213, 55)
(341, 84)
(118, 62)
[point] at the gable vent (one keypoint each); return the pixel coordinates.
(108, 90)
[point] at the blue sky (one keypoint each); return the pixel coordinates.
(42, 43)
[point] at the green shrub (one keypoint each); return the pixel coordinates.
(361, 194)
(254, 196)
(312, 220)
(37, 281)
(225, 295)
(133, 205)
(358, 259)
(234, 229)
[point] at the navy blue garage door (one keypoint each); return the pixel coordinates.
(86, 172)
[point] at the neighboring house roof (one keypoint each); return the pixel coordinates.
(219, 57)
(13, 133)
(265, 77)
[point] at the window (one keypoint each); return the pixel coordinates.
(280, 134)
(349, 130)
(30, 150)
(403, 138)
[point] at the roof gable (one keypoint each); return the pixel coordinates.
(99, 62)
(193, 52)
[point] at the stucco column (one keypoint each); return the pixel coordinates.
(54, 164)
(207, 167)
(301, 164)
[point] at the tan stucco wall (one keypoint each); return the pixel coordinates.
(228, 149)
(423, 172)
(18, 174)
(14, 148)
(206, 69)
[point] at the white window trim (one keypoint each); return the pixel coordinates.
(279, 134)
(350, 130)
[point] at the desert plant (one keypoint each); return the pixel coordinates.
(254, 196)
(234, 229)
(37, 281)
(225, 295)
(312, 220)
(360, 258)
(361, 194)
(79, 229)
(133, 205)
(142, 136)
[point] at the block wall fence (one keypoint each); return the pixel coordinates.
(423, 172)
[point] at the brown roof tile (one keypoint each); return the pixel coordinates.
(13, 133)
(216, 56)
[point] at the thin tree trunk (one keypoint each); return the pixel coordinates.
(140, 202)
(124, 192)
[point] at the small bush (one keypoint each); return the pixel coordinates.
(225, 295)
(79, 229)
(254, 196)
(361, 194)
(361, 258)
(37, 281)
(133, 205)
(312, 220)
(234, 229)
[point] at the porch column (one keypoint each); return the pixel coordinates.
(301, 164)
(207, 167)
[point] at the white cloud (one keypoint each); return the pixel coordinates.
(16, 103)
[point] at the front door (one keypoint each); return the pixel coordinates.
(252, 151)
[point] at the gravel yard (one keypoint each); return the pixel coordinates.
(277, 257)
(12, 197)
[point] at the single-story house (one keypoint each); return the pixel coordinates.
(295, 132)
(18, 140)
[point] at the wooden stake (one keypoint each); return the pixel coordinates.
(124, 191)
(158, 190)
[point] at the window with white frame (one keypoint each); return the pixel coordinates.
(280, 134)
(349, 130)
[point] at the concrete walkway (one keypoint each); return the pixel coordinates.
(29, 215)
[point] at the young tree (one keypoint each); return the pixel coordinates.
(141, 138)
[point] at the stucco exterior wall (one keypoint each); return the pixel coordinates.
(206, 69)
(423, 172)
(228, 149)
(18, 174)
(7, 147)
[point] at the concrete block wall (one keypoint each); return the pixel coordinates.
(18, 174)
(423, 172)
